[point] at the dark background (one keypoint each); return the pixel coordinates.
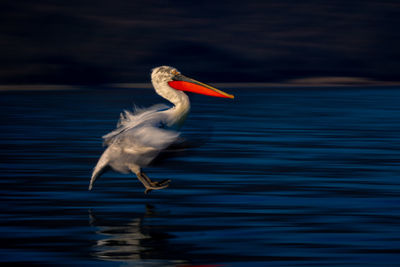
(279, 176)
(95, 42)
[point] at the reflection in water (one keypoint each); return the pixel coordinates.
(133, 242)
(289, 177)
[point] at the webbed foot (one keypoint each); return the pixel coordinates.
(156, 185)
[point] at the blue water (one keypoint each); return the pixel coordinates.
(277, 177)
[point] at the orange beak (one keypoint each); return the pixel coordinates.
(184, 83)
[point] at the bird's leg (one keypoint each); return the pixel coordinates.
(149, 184)
(156, 183)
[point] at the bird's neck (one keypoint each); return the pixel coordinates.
(177, 114)
(180, 110)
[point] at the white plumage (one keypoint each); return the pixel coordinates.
(141, 135)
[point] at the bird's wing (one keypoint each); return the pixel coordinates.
(143, 139)
(149, 117)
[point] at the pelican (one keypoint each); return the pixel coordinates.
(141, 135)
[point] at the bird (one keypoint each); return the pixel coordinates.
(142, 134)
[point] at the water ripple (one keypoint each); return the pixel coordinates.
(280, 177)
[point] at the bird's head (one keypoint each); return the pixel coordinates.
(175, 80)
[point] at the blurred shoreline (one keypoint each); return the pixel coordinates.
(304, 82)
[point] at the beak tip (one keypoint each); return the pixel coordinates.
(230, 96)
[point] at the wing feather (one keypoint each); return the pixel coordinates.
(152, 116)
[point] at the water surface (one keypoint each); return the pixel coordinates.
(278, 177)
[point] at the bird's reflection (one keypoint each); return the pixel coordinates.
(133, 242)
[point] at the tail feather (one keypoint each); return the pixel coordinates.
(101, 167)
